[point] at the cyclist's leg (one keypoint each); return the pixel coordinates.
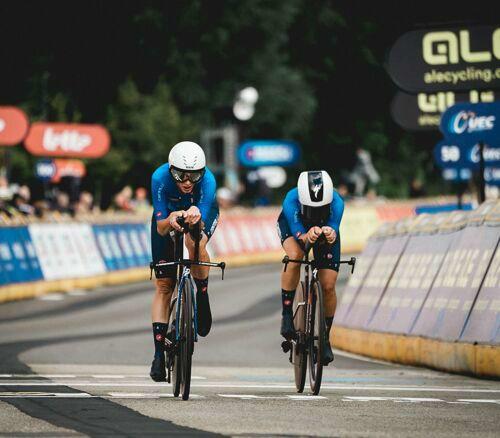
(162, 251)
(328, 262)
(200, 273)
(289, 278)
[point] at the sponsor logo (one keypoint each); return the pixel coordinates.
(316, 189)
(68, 140)
(2, 125)
(446, 47)
(287, 302)
(158, 214)
(297, 234)
(468, 121)
(159, 337)
(329, 256)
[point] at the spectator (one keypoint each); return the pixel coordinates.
(62, 203)
(122, 200)
(5, 190)
(85, 203)
(20, 204)
(417, 188)
(225, 198)
(140, 203)
(363, 172)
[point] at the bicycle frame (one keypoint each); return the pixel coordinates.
(184, 273)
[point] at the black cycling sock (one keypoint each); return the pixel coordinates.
(287, 301)
(329, 322)
(159, 333)
(201, 285)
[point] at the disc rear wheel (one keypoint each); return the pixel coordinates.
(299, 354)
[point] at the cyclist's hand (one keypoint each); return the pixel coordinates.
(330, 234)
(193, 215)
(313, 234)
(172, 219)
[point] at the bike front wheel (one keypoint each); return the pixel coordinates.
(316, 337)
(187, 339)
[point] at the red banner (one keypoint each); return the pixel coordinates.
(13, 125)
(75, 168)
(67, 140)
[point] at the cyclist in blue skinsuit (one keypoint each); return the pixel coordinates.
(309, 210)
(182, 187)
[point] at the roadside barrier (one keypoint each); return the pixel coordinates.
(431, 295)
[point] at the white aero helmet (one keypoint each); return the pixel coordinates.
(315, 194)
(187, 159)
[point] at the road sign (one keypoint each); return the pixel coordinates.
(257, 153)
(446, 59)
(472, 121)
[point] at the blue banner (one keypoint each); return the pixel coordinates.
(461, 153)
(257, 153)
(474, 121)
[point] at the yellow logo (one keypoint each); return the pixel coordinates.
(446, 47)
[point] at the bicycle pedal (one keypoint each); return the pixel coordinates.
(286, 346)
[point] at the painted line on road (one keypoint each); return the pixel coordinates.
(486, 400)
(395, 399)
(51, 297)
(82, 376)
(244, 386)
(274, 397)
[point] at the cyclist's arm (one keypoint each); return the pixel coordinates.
(291, 210)
(207, 195)
(336, 213)
(160, 210)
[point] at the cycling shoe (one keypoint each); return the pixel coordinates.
(287, 327)
(327, 354)
(204, 322)
(158, 372)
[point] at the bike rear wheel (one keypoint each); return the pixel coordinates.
(299, 353)
(187, 342)
(316, 337)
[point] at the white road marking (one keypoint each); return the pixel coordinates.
(394, 399)
(274, 397)
(4, 376)
(51, 297)
(107, 376)
(472, 400)
(54, 376)
(251, 386)
(45, 394)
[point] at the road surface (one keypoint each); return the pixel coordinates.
(77, 365)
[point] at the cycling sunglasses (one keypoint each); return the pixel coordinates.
(181, 175)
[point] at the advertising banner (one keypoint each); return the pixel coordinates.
(447, 59)
(376, 281)
(257, 153)
(483, 325)
(363, 264)
(410, 283)
(422, 112)
(7, 260)
(105, 247)
(25, 239)
(13, 125)
(457, 283)
(472, 122)
(67, 140)
(460, 154)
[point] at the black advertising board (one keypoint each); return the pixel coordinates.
(422, 111)
(447, 59)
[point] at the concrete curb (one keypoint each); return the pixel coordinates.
(455, 357)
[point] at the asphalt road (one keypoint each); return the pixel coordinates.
(77, 365)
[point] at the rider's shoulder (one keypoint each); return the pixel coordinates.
(161, 171)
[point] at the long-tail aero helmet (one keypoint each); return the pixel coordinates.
(315, 194)
(187, 158)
